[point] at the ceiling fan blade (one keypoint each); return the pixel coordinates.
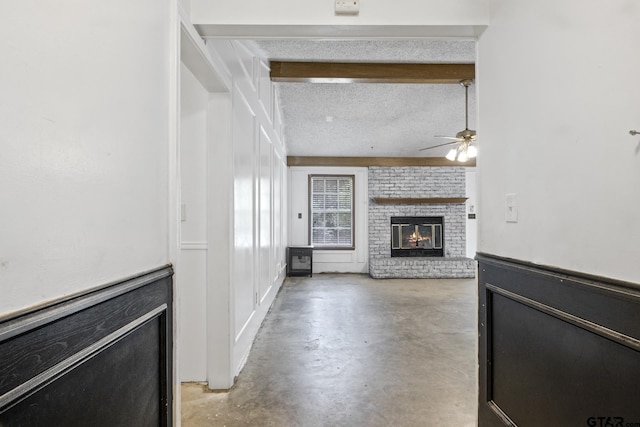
(439, 145)
(448, 137)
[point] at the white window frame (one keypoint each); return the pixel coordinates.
(320, 245)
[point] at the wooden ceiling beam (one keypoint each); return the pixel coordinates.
(356, 72)
(375, 161)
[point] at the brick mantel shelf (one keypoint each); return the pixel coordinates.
(417, 200)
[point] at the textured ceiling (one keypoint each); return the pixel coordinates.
(361, 119)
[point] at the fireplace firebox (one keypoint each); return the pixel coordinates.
(417, 236)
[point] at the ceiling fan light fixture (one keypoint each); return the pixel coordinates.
(463, 150)
(462, 155)
(472, 151)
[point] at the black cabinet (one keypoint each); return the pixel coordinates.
(300, 261)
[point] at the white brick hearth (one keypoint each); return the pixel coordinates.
(418, 182)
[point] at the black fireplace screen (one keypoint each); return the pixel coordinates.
(417, 236)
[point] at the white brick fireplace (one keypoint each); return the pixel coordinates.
(426, 191)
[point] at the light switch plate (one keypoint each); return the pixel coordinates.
(511, 208)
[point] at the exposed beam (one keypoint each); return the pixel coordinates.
(374, 161)
(354, 72)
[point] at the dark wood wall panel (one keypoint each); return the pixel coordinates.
(556, 348)
(101, 359)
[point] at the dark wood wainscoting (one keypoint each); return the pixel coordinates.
(556, 348)
(102, 358)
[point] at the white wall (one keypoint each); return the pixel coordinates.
(558, 93)
(341, 261)
(192, 271)
(259, 165)
(298, 15)
(84, 132)
(471, 209)
(185, 5)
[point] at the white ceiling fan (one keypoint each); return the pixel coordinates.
(465, 139)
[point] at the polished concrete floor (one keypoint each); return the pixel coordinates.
(347, 350)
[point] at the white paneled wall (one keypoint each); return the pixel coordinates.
(233, 187)
(259, 189)
(279, 214)
(265, 279)
(244, 212)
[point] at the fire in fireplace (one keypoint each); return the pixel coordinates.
(417, 236)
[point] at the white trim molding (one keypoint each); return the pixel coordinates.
(194, 246)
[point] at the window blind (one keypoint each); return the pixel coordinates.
(331, 206)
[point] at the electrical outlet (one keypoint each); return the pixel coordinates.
(511, 208)
(347, 7)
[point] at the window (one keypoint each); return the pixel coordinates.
(331, 211)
